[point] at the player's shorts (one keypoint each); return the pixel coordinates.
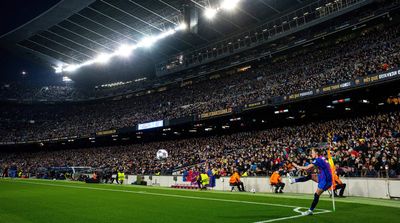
(324, 185)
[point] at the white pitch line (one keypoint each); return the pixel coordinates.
(321, 211)
(185, 197)
(280, 219)
(291, 217)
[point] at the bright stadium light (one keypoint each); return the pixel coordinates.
(58, 69)
(71, 68)
(229, 4)
(165, 34)
(210, 13)
(66, 79)
(87, 63)
(125, 50)
(182, 26)
(147, 42)
(103, 58)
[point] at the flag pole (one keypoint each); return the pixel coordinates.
(330, 160)
(333, 196)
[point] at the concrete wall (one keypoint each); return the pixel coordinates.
(362, 187)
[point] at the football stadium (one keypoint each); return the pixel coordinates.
(249, 111)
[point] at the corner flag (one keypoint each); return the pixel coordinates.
(333, 171)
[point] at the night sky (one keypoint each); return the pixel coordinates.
(12, 15)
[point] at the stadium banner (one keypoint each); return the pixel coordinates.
(215, 113)
(107, 132)
(335, 87)
(300, 95)
(255, 105)
(151, 125)
(371, 79)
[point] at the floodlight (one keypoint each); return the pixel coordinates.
(58, 69)
(229, 4)
(66, 79)
(71, 68)
(103, 58)
(125, 50)
(165, 34)
(147, 42)
(87, 63)
(210, 13)
(182, 26)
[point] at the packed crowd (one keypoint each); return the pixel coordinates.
(19, 91)
(372, 50)
(366, 146)
(53, 93)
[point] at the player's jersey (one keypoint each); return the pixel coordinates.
(325, 173)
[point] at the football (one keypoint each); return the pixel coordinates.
(162, 154)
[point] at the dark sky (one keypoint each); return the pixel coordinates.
(12, 15)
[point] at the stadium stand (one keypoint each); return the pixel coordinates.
(363, 144)
(368, 51)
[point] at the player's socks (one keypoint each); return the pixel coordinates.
(315, 202)
(302, 179)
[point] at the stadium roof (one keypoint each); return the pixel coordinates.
(75, 31)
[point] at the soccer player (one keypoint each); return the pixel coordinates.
(324, 179)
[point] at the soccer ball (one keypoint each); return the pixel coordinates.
(253, 190)
(162, 154)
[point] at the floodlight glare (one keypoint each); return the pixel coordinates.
(124, 50)
(66, 79)
(71, 68)
(210, 13)
(58, 69)
(87, 63)
(147, 42)
(103, 58)
(229, 4)
(165, 34)
(182, 26)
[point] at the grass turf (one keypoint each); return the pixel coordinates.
(57, 201)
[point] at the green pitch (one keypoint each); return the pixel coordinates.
(56, 201)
